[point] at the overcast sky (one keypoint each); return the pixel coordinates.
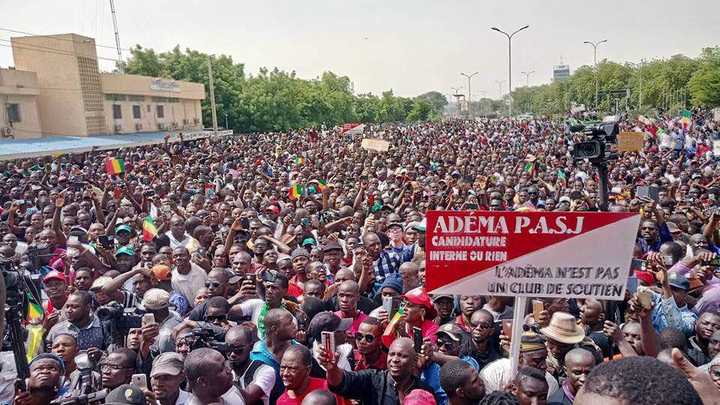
(410, 46)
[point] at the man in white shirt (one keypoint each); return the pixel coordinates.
(179, 237)
(210, 379)
(187, 277)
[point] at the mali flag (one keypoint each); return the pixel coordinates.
(530, 168)
(114, 166)
(299, 160)
(295, 192)
(35, 312)
(149, 229)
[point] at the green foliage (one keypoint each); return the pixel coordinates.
(274, 100)
(705, 82)
(662, 83)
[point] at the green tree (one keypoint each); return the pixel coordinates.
(705, 82)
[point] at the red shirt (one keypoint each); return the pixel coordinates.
(294, 290)
(379, 364)
(315, 384)
(359, 318)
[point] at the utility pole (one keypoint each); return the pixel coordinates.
(509, 37)
(469, 99)
(457, 95)
(117, 35)
(597, 72)
(527, 77)
(212, 97)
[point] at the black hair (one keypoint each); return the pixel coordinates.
(312, 305)
(84, 296)
(218, 302)
(499, 398)
(641, 380)
(130, 356)
(453, 375)
(673, 338)
(303, 351)
(530, 372)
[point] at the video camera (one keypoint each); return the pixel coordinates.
(122, 318)
(600, 135)
(86, 390)
(208, 335)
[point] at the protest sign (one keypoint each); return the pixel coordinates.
(530, 254)
(630, 141)
(716, 148)
(378, 145)
(353, 129)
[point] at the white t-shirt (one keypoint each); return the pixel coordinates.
(264, 378)
(189, 284)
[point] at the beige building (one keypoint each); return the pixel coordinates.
(19, 117)
(75, 99)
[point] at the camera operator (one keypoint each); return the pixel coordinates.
(118, 367)
(46, 378)
(82, 322)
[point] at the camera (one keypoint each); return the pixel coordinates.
(123, 319)
(208, 335)
(600, 136)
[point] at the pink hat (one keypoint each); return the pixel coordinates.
(419, 397)
(54, 275)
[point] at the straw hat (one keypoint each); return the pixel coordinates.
(563, 328)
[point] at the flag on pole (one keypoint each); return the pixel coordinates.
(114, 166)
(149, 229)
(295, 192)
(35, 312)
(530, 168)
(686, 119)
(299, 160)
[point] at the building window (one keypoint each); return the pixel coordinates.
(136, 112)
(13, 112)
(115, 97)
(117, 111)
(161, 111)
(149, 108)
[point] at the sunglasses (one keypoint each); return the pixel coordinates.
(367, 338)
(216, 318)
(213, 284)
(443, 343)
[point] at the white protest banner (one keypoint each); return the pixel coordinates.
(530, 254)
(378, 145)
(716, 148)
(630, 141)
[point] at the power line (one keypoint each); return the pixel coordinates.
(39, 48)
(59, 38)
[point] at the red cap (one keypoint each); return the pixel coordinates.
(418, 296)
(646, 277)
(419, 397)
(54, 275)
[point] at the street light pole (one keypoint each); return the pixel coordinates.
(470, 76)
(527, 77)
(509, 37)
(456, 94)
(597, 73)
(226, 122)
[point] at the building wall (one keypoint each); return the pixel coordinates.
(180, 102)
(75, 99)
(63, 92)
(21, 88)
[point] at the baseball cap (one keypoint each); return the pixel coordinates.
(161, 272)
(328, 321)
(125, 250)
(54, 275)
(155, 299)
(565, 199)
(126, 394)
(678, 281)
(100, 282)
(332, 246)
(419, 397)
(123, 227)
(168, 363)
(437, 297)
(451, 330)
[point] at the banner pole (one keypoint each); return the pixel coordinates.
(517, 331)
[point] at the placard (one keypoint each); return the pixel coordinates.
(530, 254)
(378, 145)
(631, 141)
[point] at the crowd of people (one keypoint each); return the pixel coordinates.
(289, 268)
